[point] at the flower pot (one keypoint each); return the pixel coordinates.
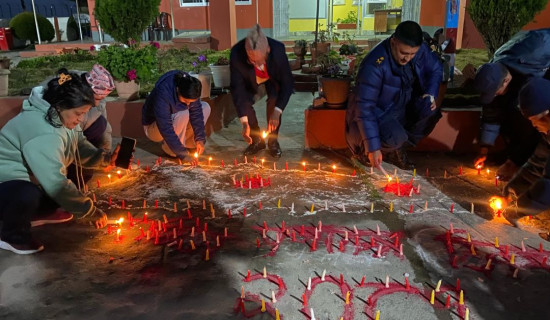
(318, 50)
(4, 74)
(335, 90)
(300, 53)
(221, 76)
(348, 26)
(127, 89)
(205, 79)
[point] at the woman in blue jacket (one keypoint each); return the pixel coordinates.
(174, 114)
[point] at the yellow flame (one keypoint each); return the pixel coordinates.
(263, 160)
(478, 166)
(304, 163)
(265, 134)
(109, 176)
(389, 179)
(496, 203)
(196, 154)
(121, 220)
(488, 171)
(209, 158)
(118, 172)
(333, 167)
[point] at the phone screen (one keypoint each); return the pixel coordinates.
(127, 147)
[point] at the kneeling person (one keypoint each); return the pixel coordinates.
(174, 114)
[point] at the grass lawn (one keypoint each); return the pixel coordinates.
(476, 57)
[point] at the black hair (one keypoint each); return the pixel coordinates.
(409, 33)
(66, 94)
(188, 87)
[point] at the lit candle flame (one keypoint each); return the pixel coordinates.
(118, 172)
(109, 176)
(265, 134)
(488, 171)
(496, 203)
(196, 155)
(389, 179)
(333, 167)
(478, 166)
(304, 163)
(121, 220)
(209, 158)
(263, 160)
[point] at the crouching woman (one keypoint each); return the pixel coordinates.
(36, 147)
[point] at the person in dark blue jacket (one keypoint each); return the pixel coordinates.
(258, 61)
(525, 56)
(174, 114)
(393, 102)
(531, 185)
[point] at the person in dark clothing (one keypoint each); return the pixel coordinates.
(174, 115)
(525, 56)
(530, 187)
(258, 61)
(393, 102)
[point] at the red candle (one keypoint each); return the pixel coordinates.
(123, 205)
(110, 200)
(460, 171)
(98, 184)
(228, 213)
(286, 166)
(235, 161)
(223, 164)
(478, 169)
(254, 159)
(119, 174)
(156, 204)
(145, 217)
(147, 169)
(411, 208)
(333, 168)
(244, 212)
(304, 164)
(137, 162)
(452, 207)
(353, 174)
(496, 181)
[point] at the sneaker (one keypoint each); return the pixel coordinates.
(27, 248)
(58, 216)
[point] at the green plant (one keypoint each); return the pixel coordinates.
(24, 28)
(200, 63)
(499, 20)
(300, 43)
(348, 49)
(350, 18)
(328, 34)
(126, 20)
(79, 60)
(330, 64)
(126, 63)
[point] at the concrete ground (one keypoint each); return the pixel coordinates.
(369, 257)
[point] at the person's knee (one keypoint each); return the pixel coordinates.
(205, 110)
(26, 194)
(395, 139)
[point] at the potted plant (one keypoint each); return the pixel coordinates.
(322, 46)
(129, 64)
(349, 22)
(221, 73)
(200, 71)
(300, 50)
(350, 47)
(334, 84)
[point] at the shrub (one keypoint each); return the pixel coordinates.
(129, 63)
(125, 20)
(499, 20)
(24, 28)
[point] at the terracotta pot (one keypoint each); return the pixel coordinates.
(317, 50)
(335, 90)
(346, 26)
(127, 89)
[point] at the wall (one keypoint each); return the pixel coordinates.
(432, 15)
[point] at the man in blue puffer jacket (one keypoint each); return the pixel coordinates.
(173, 104)
(393, 102)
(524, 57)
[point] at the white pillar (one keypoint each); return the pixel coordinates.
(79, 25)
(36, 23)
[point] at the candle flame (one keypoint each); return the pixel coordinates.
(496, 203)
(488, 171)
(304, 163)
(333, 167)
(478, 166)
(265, 134)
(118, 172)
(109, 176)
(196, 154)
(263, 160)
(120, 221)
(389, 179)
(209, 158)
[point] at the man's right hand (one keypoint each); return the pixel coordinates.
(191, 160)
(479, 162)
(375, 158)
(246, 133)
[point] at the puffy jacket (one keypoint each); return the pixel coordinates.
(162, 103)
(243, 76)
(526, 55)
(381, 85)
(31, 149)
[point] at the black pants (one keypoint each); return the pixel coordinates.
(19, 202)
(272, 89)
(520, 136)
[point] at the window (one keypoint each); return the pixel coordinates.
(243, 2)
(372, 5)
(193, 3)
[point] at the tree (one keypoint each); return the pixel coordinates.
(499, 20)
(24, 27)
(125, 20)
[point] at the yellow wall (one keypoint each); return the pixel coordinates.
(341, 11)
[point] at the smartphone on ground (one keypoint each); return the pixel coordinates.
(127, 147)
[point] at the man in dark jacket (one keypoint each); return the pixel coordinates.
(393, 102)
(531, 185)
(258, 61)
(525, 56)
(173, 104)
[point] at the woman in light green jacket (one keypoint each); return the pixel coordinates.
(36, 147)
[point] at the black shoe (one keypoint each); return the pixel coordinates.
(399, 159)
(254, 148)
(274, 149)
